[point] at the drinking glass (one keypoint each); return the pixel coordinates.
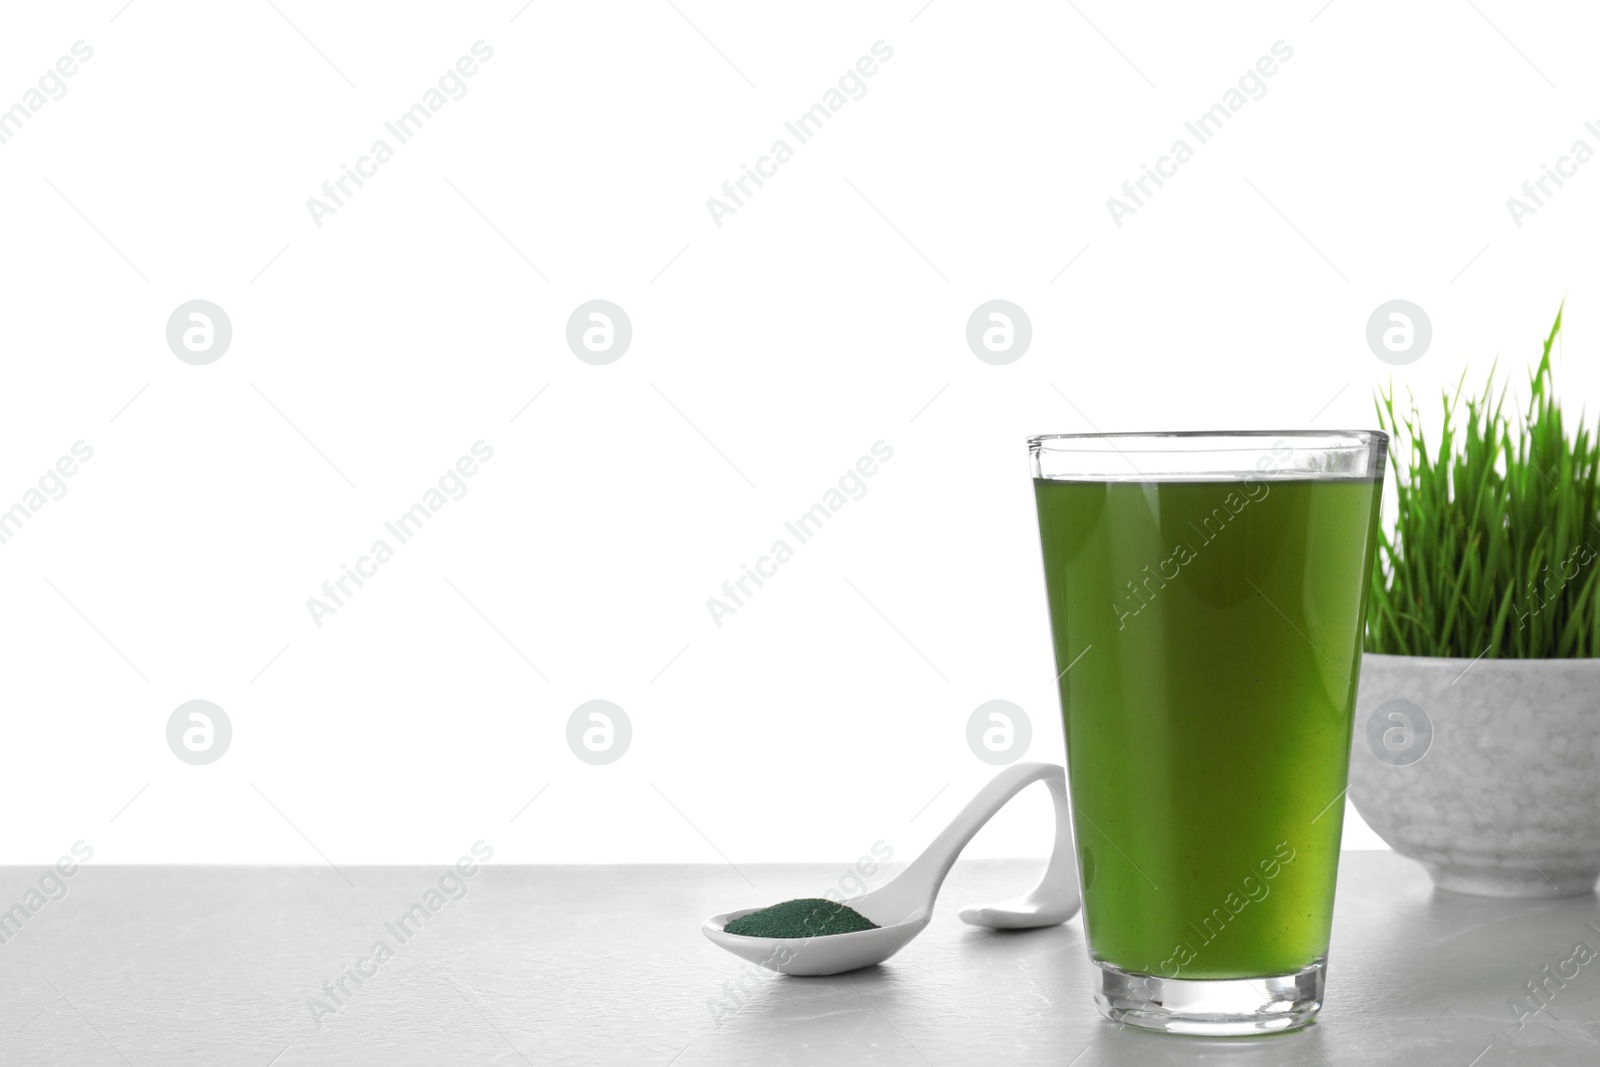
(1208, 594)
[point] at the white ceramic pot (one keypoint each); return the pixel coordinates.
(1488, 773)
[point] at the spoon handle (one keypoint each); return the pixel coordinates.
(1054, 900)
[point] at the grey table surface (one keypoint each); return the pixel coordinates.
(579, 965)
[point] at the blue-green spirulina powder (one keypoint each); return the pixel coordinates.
(806, 917)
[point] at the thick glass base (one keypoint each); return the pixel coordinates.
(1217, 1007)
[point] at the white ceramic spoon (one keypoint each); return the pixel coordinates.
(902, 908)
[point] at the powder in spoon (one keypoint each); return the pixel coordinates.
(806, 917)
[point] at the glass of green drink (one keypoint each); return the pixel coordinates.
(1208, 594)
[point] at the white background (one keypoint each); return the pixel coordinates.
(768, 354)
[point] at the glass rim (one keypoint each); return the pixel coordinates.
(1210, 455)
(1345, 438)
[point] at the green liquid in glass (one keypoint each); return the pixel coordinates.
(1208, 723)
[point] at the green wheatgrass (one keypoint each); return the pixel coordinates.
(806, 917)
(1494, 546)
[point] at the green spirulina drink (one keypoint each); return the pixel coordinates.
(1207, 601)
